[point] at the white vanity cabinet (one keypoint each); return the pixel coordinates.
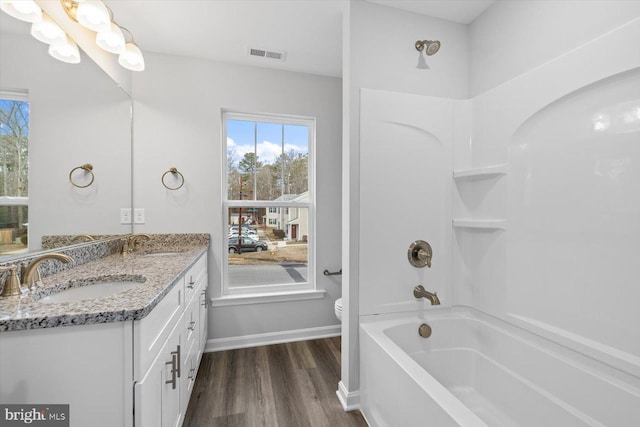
(167, 352)
(131, 373)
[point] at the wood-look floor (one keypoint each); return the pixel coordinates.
(280, 385)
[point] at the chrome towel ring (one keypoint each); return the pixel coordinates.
(173, 171)
(87, 167)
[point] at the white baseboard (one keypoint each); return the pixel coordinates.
(349, 400)
(231, 343)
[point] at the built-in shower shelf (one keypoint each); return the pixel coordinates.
(485, 172)
(489, 224)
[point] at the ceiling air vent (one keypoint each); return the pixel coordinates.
(263, 53)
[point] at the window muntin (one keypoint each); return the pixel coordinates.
(268, 176)
(14, 172)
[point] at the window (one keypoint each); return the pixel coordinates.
(14, 172)
(268, 176)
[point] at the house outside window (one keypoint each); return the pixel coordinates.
(268, 176)
(14, 172)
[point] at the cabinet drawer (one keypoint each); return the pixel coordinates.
(152, 331)
(191, 320)
(194, 275)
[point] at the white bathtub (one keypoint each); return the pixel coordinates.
(476, 370)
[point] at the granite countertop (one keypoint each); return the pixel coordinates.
(161, 273)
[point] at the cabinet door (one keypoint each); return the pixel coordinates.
(157, 396)
(149, 393)
(171, 408)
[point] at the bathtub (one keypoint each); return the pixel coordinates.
(477, 370)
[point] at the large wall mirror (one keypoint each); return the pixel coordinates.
(57, 118)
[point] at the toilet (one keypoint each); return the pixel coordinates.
(338, 308)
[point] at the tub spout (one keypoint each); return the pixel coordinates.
(420, 292)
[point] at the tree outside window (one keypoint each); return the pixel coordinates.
(14, 174)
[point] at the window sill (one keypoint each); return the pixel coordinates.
(267, 297)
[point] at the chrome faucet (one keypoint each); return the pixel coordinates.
(30, 273)
(420, 292)
(131, 246)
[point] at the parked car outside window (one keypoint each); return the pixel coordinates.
(248, 245)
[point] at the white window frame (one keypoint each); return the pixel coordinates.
(280, 292)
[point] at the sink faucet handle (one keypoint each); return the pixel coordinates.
(11, 283)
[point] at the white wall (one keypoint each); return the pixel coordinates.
(178, 103)
(513, 37)
(77, 116)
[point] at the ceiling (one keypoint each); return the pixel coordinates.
(460, 11)
(308, 31)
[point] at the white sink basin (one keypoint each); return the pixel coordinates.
(96, 290)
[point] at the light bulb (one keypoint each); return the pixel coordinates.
(131, 58)
(66, 52)
(93, 14)
(24, 10)
(48, 31)
(112, 40)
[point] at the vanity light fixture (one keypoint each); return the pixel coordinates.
(96, 16)
(91, 14)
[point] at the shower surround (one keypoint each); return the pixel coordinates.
(537, 232)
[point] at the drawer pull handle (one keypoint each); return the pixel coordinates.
(191, 326)
(172, 381)
(177, 353)
(191, 372)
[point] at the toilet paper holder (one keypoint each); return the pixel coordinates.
(332, 273)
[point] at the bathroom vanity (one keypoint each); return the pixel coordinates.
(125, 359)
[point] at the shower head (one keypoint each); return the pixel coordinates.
(432, 46)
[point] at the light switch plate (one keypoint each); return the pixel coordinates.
(138, 216)
(125, 215)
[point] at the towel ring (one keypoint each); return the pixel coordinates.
(87, 168)
(173, 171)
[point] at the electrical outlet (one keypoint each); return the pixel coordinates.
(138, 216)
(125, 215)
